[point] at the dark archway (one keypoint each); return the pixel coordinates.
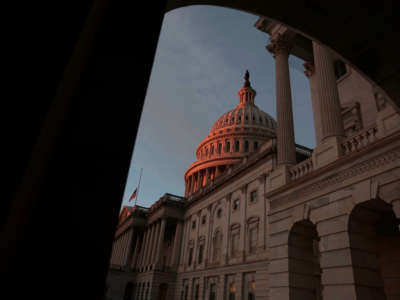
(162, 293)
(375, 250)
(304, 265)
(128, 293)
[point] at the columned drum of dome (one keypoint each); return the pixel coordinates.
(234, 135)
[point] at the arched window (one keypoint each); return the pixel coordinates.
(237, 146)
(212, 149)
(219, 149)
(227, 146)
(340, 69)
(246, 146)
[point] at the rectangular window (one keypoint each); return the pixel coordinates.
(236, 203)
(196, 292)
(253, 236)
(213, 291)
(193, 224)
(235, 243)
(201, 250)
(253, 196)
(190, 256)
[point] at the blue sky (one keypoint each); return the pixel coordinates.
(202, 55)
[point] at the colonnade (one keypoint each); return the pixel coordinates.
(201, 178)
(236, 145)
(326, 105)
(153, 238)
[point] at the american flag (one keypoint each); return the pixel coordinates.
(133, 195)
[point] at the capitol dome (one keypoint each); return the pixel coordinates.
(234, 135)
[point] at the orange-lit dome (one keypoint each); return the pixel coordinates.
(235, 134)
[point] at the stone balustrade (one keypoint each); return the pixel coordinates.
(359, 140)
(301, 169)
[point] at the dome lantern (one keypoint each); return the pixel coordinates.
(246, 94)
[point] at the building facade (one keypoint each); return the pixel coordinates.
(265, 218)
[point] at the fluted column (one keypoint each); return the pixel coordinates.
(151, 245)
(155, 245)
(136, 252)
(146, 239)
(329, 104)
(177, 244)
(309, 71)
(193, 182)
(160, 240)
(280, 48)
(198, 180)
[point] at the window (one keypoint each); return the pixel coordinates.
(201, 250)
(235, 236)
(237, 145)
(190, 256)
(212, 149)
(219, 148)
(246, 146)
(236, 203)
(213, 291)
(340, 69)
(251, 288)
(207, 152)
(255, 145)
(194, 224)
(203, 220)
(253, 237)
(253, 196)
(232, 291)
(217, 243)
(219, 212)
(228, 146)
(196, 292)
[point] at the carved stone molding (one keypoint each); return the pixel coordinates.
(339, 177)
(309, 68)
(280, 44)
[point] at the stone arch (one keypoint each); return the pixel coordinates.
(304, 264)
(374, 238)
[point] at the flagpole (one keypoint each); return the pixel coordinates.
(138, 188)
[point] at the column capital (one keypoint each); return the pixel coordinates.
(309, 68)
(280, 44)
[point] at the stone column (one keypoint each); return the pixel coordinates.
(136, 252)
(151, 245)
(155, 245)
(160, 241)
(207, 175)
(309, 71)
(145, 240)
(228, 221)
(177, 244)
(243, 217)
(198, 180)
(329, 103)
(193, 182)
(280, 48)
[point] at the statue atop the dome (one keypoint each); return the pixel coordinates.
(246, 79)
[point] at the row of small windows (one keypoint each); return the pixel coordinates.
(235, 206)
(227, 148)
(232, 120)
(234, 244)
(211, 291)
